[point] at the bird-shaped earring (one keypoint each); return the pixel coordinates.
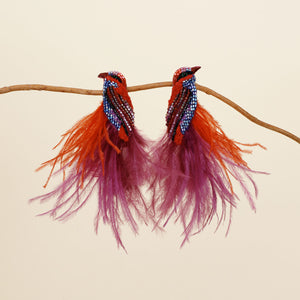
(103, 151)
(195, 163)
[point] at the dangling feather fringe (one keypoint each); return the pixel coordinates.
(95, 157)
(191, 178)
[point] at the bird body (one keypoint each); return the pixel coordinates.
(182, 104)
(104, 152)
(117, 104)
(195, 163)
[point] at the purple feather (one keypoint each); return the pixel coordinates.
(190, 184)
(119, 196)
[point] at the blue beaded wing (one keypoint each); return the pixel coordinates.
(182, 108)
(117, 110)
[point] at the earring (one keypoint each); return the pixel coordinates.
(195, 163)
(102, 151)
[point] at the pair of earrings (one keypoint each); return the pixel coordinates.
(189, 171)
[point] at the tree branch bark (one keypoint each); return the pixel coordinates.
(42, 87)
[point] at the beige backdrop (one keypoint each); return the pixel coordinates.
(248, 50)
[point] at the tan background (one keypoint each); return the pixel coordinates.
(248, 50)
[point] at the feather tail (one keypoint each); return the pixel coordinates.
(95, 156)
(192, 180)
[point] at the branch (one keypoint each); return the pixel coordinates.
(42, 87)
(246, 114)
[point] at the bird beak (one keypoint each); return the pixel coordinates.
(102, 75)
(195, 69)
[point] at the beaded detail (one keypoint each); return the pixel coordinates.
(118, 111)
(182, 108)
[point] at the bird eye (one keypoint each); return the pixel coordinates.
(184, 74)
(116, 77)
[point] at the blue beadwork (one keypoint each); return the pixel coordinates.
(117, 110)
(192, 105)
(181, 111)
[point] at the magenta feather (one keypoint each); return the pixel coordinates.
(190, 184)
(119, 196)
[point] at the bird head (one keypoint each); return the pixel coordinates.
(184, 73)
(113, 78)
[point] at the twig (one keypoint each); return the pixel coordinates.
(50, 88)
(246, 114)
(42, 87)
